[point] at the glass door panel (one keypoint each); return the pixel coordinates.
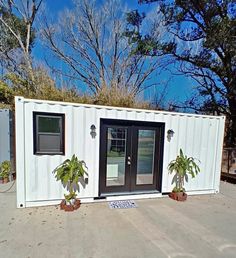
(145, 157)
(116, 156)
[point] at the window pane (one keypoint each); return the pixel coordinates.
(48, 133)
(146, 150)
(49, 124)
(49, 143)
(116, 148)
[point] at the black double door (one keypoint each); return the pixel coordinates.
(131, 156)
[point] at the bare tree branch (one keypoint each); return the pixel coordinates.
(89, 40)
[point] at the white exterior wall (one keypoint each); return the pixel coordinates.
(5, 151)
(199, 136)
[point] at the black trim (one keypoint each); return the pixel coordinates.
(130, 177)
(100, 198)
(35, 133)
(134, 185)
(103, 160)
(165, 193)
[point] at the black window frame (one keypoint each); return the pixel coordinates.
(35, 133)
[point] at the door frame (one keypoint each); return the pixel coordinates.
(158, 164)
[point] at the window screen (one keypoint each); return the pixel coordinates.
(48, 133)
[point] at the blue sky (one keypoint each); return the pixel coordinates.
(179, 87)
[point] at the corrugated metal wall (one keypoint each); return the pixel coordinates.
(5, 152)
(199, 136)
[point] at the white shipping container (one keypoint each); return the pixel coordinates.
(127, 158)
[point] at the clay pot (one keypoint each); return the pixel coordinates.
(5, 180)
(178, 196)
(70, 207)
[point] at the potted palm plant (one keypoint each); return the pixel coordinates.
(5, 170)
(1, 178)
(182, 166)
(69, 173)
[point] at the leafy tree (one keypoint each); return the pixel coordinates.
(17, 33)
(201, 37)
(6, 95)
(8, 41)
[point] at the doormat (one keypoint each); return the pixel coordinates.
(122, 204)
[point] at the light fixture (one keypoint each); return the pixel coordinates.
(93, 131)
(170, 134)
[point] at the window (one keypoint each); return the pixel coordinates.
(49, 133)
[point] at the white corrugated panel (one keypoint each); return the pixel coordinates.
(199, 136)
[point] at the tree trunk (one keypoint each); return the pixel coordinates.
(233, 129)
(231, 132)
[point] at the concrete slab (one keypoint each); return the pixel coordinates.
(203, 226)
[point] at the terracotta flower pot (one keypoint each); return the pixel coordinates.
(70, 207)
(5, 180)
(178, 196)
